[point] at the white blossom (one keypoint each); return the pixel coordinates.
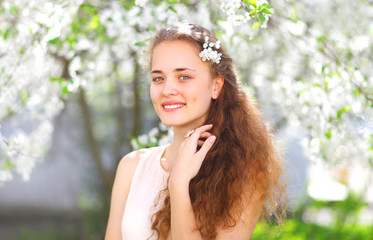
(134, 144)
(208, 54)
(162, 127)
(141, 3)
(143, 139)
(153, 135)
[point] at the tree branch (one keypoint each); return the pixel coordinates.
(136, 92)
(108, 180)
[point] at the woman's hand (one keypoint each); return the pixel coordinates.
(189, 160)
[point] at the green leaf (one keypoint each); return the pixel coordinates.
(88, 9)
(57, 79)
(253, 2)
(139, 44)
(268, 6)
(370, 142)
(172, 9)
(300, 92)
(173, 2)
(6, 34)
(54, 41)
(127, 4)
(13, 10)
(321, 39)
(293, 16)
(218, 33)
(335, 74)
(329, 134)
(8, 165)
(247, 9)
(342, 110)
(265, 10)
(23, 96)
(95, 22)
(64, 90)
(71, 40)
(326, 83)
(356, 93)
(247, 3)
(317, 85)
(257, 25)
(9, 111)
(261, 18)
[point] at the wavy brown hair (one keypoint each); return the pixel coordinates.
(241, 163)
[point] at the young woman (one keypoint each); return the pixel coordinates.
(221, 171)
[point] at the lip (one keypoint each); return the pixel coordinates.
(172, 103)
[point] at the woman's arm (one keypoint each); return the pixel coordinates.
(183, 221)
(249, 218)
(125, 171)
(186, 166)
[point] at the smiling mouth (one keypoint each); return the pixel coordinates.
(173, 106)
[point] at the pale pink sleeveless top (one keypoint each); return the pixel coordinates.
(149, 178)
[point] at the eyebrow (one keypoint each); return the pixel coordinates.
(176, 70)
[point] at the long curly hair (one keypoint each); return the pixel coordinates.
(242, 161)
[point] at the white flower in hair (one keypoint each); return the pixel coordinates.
(208, 54)
(217, 44)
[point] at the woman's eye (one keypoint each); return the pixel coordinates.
(157, 79)
(184, 77)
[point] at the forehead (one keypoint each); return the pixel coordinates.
(176, 54)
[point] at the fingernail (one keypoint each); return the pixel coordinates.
(212, 139)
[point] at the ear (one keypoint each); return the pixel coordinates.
(217, 85)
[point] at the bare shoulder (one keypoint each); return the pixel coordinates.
(130, 161)
(126, 170)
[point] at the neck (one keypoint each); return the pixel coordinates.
(172, 150)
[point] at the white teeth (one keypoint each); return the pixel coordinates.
(173, 106)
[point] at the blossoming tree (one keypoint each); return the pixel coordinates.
(302, 60)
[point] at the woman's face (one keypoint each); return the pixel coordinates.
(181, 88)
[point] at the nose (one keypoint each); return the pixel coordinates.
(170, 88)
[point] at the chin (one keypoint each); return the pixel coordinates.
(183, 121)
(171, 123)
(167, 124)
(182, 124)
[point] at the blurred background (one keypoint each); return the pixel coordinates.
(74, 99)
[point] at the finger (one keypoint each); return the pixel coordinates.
(205, 135)
(197, 133)
(206, 147)
(200, 143)
(203, 138)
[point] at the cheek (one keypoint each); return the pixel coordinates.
(203, 99)
(154, 93)
(202, 94)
